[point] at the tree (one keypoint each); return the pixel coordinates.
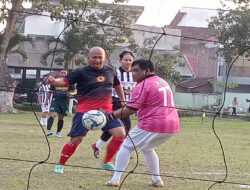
(62, 9)
(233, 28)
(77, 40)
(16, 39)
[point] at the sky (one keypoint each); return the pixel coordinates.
(161, 12)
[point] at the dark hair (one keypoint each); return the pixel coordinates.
(144, 64)
(124, 53)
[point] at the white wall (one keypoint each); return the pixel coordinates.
(199, 101)
(41, 25)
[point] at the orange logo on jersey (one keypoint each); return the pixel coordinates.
(100, 79)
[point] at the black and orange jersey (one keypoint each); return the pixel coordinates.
(94, 87)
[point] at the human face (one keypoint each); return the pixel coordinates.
(96, 58)
(126, 62)
(138, 74)
(63, 73)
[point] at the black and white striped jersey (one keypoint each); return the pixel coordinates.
(42, 90)
(127, 82)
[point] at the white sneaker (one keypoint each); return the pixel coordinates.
(58, 134)
(59, 169)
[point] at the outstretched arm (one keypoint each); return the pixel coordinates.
(56, 82)
(120, 93)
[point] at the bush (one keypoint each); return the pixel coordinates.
(26, 106)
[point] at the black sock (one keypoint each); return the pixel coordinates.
(50, 123)
(105, 136)
(59, 125)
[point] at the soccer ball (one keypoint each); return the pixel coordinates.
(94, 120)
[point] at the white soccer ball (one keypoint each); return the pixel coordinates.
(94, 120)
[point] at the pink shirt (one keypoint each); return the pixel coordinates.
(153, 99)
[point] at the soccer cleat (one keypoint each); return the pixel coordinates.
(96, 150)
(107, 166)
(158, 183)
(59, 169)
(115, 183)
(49, 132)
(58, 134)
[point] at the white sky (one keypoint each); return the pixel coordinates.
(161, 12)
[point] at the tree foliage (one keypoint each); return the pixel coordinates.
(165, 62)
(77, 40)
(13, 48)
(233, 28)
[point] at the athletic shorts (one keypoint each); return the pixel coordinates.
(144, 140)
(58, 107)
(77, 128)
(44, 108)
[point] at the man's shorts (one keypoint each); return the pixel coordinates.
(58, 107)
(44, 108)
(77, 128)
(144, 140)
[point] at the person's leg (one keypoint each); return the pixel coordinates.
(121, 162)
(104, 138)
(59, 125)
(97, 145)
(44, 118)
(152, 161)
(52, 115)
(77, 134)
(69, 149)
(118, 134)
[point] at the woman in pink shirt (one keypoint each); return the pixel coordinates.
(158, 120)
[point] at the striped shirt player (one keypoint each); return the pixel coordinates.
(41, 97)
(127, 82)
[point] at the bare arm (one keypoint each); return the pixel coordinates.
(123, 112)
(39, 99)
(120, 93)
(48, 95)
(56, 82)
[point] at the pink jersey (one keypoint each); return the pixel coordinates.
(154, 101)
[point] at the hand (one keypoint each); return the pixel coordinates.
(109, 116)
(50, 80)
(123, 103)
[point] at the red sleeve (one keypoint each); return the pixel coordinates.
(117, 85)
(66, 81)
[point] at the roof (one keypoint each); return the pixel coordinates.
(194, 83)
(192, 62)
(194, 17)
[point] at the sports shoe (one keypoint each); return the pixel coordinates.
(115, 183)
(158, 183)
(96, 150)
(58, 134)
(59, 169)
(107, 166)
(49, 132)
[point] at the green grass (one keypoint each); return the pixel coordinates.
(192, 153)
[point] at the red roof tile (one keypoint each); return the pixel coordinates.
(192, 62)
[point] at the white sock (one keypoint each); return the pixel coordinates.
(45, 121)
(99, 143)
(121, 162)
(152, 162)
(41, 121)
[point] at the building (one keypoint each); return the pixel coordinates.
(31, 72)
(199, 47)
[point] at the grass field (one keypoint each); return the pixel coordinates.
(193, 153)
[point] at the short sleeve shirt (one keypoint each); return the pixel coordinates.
(153, 99)
(94, 87)
(60, 93)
